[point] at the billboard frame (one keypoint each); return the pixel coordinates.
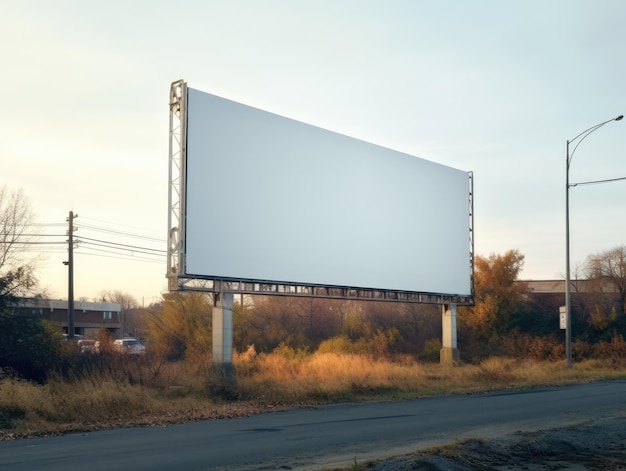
(178, 280)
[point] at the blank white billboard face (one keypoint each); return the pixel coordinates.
(272, 199)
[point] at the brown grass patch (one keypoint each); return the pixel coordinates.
(164, 393)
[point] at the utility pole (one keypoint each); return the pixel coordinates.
(70, 276)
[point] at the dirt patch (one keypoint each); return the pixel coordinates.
(599, 445)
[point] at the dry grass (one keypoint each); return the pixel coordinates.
(177, 392)
(64, 406)
(341, 377)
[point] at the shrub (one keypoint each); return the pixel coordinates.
(432, 351)
(29, 347)
(384, 342)
(521, 345)
(246, 363)
(615, 349)
(338, 345)
(290, 353)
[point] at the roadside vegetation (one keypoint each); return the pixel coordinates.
(122, 391)
(295, 352)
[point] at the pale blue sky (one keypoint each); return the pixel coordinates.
(495, 87)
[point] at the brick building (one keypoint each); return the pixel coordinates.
(89, 317)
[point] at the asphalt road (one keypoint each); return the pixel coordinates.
(314, 439)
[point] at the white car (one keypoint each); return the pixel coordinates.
(129, 345)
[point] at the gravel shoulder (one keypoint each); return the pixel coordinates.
(595, 445)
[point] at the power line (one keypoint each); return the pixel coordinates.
(115, 224)
(119, 257)
(85, 245)
(4, 234)
(46, 224)
(122, 246)
(37, 243)
(116, 232)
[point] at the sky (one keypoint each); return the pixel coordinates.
(492, 87)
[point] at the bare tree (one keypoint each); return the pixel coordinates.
(16, 225)
(609, 268)
(128, 306)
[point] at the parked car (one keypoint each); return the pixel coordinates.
(76, 337)
(87, 345)
(129, 345)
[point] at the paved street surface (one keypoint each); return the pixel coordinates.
(324, 437)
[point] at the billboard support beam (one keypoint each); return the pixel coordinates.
(449, 353)
(223, 329)
(222, 379)
(215, 285)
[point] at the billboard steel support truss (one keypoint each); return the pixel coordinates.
(176, 189)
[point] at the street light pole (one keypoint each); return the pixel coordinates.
(568, 291)
(568, 294)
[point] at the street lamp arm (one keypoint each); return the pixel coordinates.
(608, 180)
(593, 128)
(586, 133)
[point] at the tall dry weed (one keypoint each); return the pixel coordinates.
(60, 401)
(324, 375)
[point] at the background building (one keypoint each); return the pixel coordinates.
(89, 317)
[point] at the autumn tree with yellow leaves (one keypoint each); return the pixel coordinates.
(498, 297)
(181, 328)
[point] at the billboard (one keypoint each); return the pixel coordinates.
(264, 200)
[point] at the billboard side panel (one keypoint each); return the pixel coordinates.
(271, 198)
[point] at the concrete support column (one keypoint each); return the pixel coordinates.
(222, 377)
(449, 352)
(223, 329)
